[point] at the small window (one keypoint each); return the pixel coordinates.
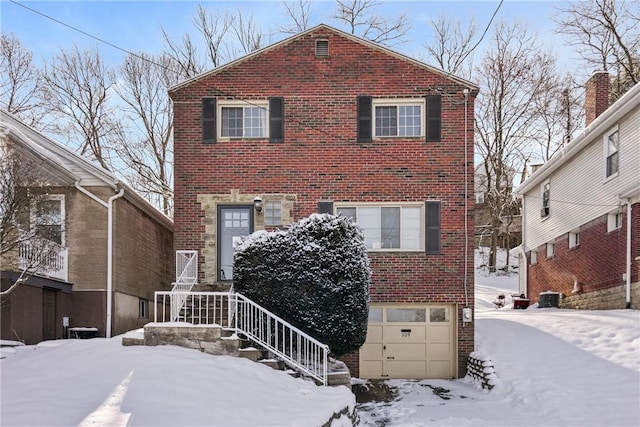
(322, 48)
(143, 308)
(574, 239)
(551, 249)
(398, 118)
(479, 198)
(546, 200)
(614, 221)
(611, 153)
(406, 315)
(534, 257)
(375, 315)
(437, 315)
(273, 213)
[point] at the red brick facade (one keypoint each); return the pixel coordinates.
(320, 158)
(597, 263)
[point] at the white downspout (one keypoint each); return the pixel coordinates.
(109, 206)
(628, 262)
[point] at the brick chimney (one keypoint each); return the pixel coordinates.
(597, 96)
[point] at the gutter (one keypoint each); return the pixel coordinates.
(109, 206)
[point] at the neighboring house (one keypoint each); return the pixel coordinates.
(510, 232)
(114, 249)
(581, 210)
(327, 122)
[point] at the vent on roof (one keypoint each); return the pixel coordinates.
(322, 48)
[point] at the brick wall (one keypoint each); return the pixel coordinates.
(596, 264)
(321, 160)
(597, 96)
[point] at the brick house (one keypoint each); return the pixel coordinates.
(327, 122)
(581, 210)
(113, 248)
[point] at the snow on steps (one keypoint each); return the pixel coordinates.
(211, 339)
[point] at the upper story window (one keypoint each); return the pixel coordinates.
(388, 226)
(242, 120)
(226, 119)
(273, 213)
(47, 218)
(611, 153)
(546, 200)
(398, 117)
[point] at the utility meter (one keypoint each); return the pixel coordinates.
(467, 315)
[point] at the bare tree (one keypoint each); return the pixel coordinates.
(605, 33)
(79, 84)
(20, 82)
(358, 17)
(511, 76)
(248, 35)
(214, 28)
(184, 55)
(300, 14)
(23, 195)
(452, 45)
(148, 149)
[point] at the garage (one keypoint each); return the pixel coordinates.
(415, 341)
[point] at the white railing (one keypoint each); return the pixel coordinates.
(44, 258)
(186, 277)
(235, 312)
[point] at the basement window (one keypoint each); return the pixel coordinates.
(322, 48)
(143, 308)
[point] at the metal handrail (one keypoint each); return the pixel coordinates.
(235, 312)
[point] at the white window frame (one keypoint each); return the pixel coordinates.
(574, 238)
(480, 197)
(222, 104)
(551, 249)
(608, 153)
(545, 210)
(270, 209)
(376, 246)
(534, 257)
(398, 102)
(34, 218)
(614, 221)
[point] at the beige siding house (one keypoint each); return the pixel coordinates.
(114, 249)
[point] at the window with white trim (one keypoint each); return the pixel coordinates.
(546, 199)
(551, 249)
(240, 119)
(574, 238)
(272, 213)
(614, 221)
(47, 218)
(388, 226)
(611, 153)
(398, 117)
(534, 257)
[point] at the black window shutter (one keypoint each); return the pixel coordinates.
(364, 119)
(434, 117)
(432, 235)
(325, 207)
(208, 120)
(276, 122)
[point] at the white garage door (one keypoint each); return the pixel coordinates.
(414, 341)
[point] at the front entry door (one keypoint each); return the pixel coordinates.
(48, 314)
(234, 222)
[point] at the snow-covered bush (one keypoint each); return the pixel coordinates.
(315, 275)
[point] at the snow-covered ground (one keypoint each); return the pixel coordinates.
(554, 367)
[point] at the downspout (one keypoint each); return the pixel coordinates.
(628, 266)
(109, 206)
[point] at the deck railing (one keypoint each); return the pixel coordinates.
(235, 312)
(44, 258)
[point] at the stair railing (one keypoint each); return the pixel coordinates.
(297, 349)
(186, 277)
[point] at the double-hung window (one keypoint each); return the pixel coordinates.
(388, 227)
(546, 200)
(398, 117)
(243, 120)
(47, 217)
(611, 153)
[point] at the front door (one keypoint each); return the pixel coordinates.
(48, 314)
(234, 222)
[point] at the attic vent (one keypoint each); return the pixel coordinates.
(322, 48)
